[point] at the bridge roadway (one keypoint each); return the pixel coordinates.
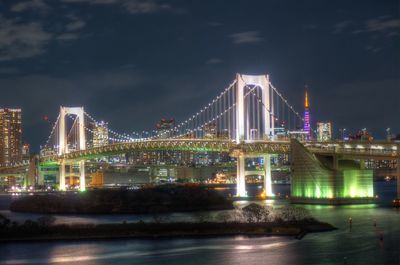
(378, 150)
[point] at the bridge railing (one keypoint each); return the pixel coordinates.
(390, 149)
(377, 149)
(153, 144)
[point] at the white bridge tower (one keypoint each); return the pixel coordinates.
(63, 142)
(245, 84)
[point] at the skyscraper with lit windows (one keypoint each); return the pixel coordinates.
(10, 136)
(324, 131)
(100, 134)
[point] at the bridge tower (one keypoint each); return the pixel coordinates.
(63, 142)
(244, 83)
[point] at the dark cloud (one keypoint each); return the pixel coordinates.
(133, 6)
(37, 5)
(247, 37)
(340, 26)
(361, 104)
(21, 40)
(215, 24)
(384, 25)
(138, 6)
(310, 26)
(9, 70)
(93, 2)
(133, 62)
(67, 36)
(376, 29)
(75, 25)
(214, 61)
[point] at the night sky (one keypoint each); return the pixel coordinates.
(132, 62)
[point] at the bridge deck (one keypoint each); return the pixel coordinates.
(360, 150)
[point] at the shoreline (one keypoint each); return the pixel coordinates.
(97, 213)
(151, 200)
(149, 231)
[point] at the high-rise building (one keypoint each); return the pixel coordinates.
(165, 128)
(210, 131)
(10, 136)
(307, 127)
(100, 134)
(324, 131)
(25, 152)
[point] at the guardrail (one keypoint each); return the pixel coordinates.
(388, 150)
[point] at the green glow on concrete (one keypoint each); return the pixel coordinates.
(48, 163)
(357, 184)
(312, 187)
(342, 184)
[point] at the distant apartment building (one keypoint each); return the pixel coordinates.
(210, 131)
(165, 128)
(324, 131)
(100, 134)
(10, 136)
(25, 152)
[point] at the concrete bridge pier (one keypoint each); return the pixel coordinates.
(267, 176)
(82, 181)
(62, 175)
(240, 176)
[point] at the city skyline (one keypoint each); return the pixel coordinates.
(130, 70)
(199, 132)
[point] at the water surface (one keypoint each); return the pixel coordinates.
(359, 245)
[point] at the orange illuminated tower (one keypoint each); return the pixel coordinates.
(307, 127)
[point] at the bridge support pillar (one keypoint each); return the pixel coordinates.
(335, 162)
(82, 180)
(362, 164)
(267, 176)
(62, 175)
(240, 176)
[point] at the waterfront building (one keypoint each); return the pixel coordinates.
(25, 155)
(298, 135)
(380, 164)
(324, 131)
(280, 132)
(361, 135)
(210, 131)
(224, 134)
(165, 128)
(10, 136)
(389, 135)
(100, 134)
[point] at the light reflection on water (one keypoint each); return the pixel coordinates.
(359, 245)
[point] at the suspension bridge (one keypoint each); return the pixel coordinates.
(249, 118)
